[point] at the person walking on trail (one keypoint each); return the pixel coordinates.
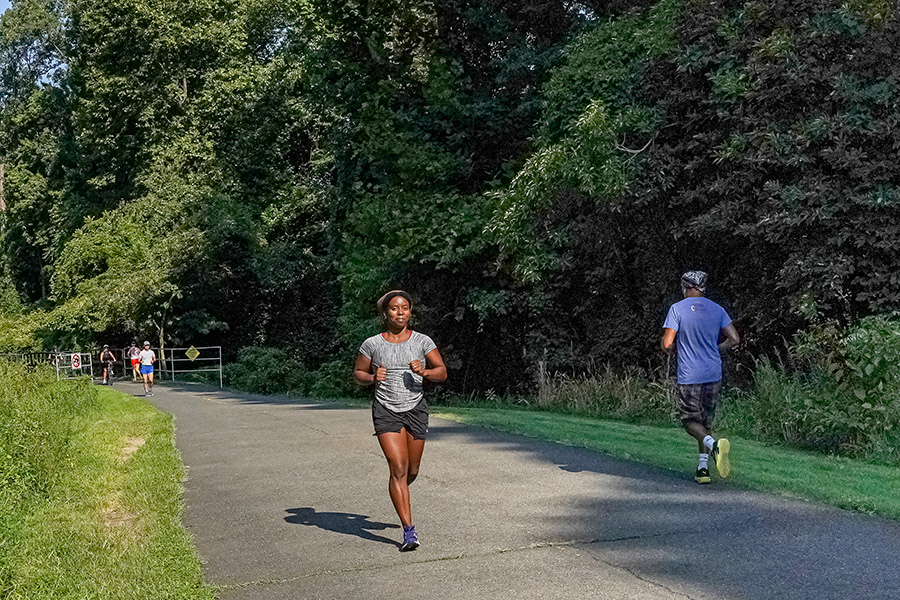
(147, 358)
(107, 358)
(134, 355)
(397, 362)
(693, 329)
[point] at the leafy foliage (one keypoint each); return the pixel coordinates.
(266, 371)
(537, 174)
(843, 395)
(758, 150)
(779, 124)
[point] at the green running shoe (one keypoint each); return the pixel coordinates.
(719, 454)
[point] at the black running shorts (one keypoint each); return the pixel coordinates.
(697, 401)
(414, 421)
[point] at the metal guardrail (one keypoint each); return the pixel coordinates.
(202, 359)
(66, 364)
(172, 361)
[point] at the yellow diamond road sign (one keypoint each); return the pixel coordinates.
(192, 353)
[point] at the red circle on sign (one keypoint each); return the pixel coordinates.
(76, 361)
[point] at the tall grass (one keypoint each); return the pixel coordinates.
(631, 395)
(37, 414)
(90, 495)
(634, 395)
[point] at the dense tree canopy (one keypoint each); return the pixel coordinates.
(537, 173)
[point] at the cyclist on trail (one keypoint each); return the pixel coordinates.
(147, 358)
(398, 361)
(134, 355)
(107, 359)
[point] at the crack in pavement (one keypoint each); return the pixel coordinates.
(215, 400)
(306, 426)
(462, 556)
(640, 577)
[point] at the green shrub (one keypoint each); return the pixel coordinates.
(10, 303)
(784, 407)
(334, 379)
(19, 331)
(843, 398)
(265, 370)
(870, 353)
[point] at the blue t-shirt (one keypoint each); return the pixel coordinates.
(698, 322)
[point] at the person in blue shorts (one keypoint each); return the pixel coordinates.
(693, 329)
(397, 362)
(147, 358)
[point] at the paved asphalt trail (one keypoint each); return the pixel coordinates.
(288, 499)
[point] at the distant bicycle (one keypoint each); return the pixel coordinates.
(110, 373)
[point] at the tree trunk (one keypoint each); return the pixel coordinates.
(162, 351)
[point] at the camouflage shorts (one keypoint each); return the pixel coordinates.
(697, 401)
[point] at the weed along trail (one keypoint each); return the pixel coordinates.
(286, 499)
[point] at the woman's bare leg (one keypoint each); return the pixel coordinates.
(414, 450)
(396, 448)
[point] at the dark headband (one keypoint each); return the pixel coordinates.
(382, 303)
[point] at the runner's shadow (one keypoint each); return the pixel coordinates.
(347, 523)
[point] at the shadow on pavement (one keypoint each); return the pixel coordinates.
(347, 523)
(711, 542)
(719, 539)
(258, 399)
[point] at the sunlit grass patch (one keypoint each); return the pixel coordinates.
(842, 482)
(108, 526)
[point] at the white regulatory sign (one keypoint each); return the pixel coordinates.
(76, 361)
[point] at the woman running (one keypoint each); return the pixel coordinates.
(397, 362)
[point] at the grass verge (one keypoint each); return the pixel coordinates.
(842, 482)
(110, 527)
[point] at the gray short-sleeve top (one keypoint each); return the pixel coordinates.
(402, 390)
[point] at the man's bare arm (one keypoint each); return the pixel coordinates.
(668, 340)
(732, 338)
